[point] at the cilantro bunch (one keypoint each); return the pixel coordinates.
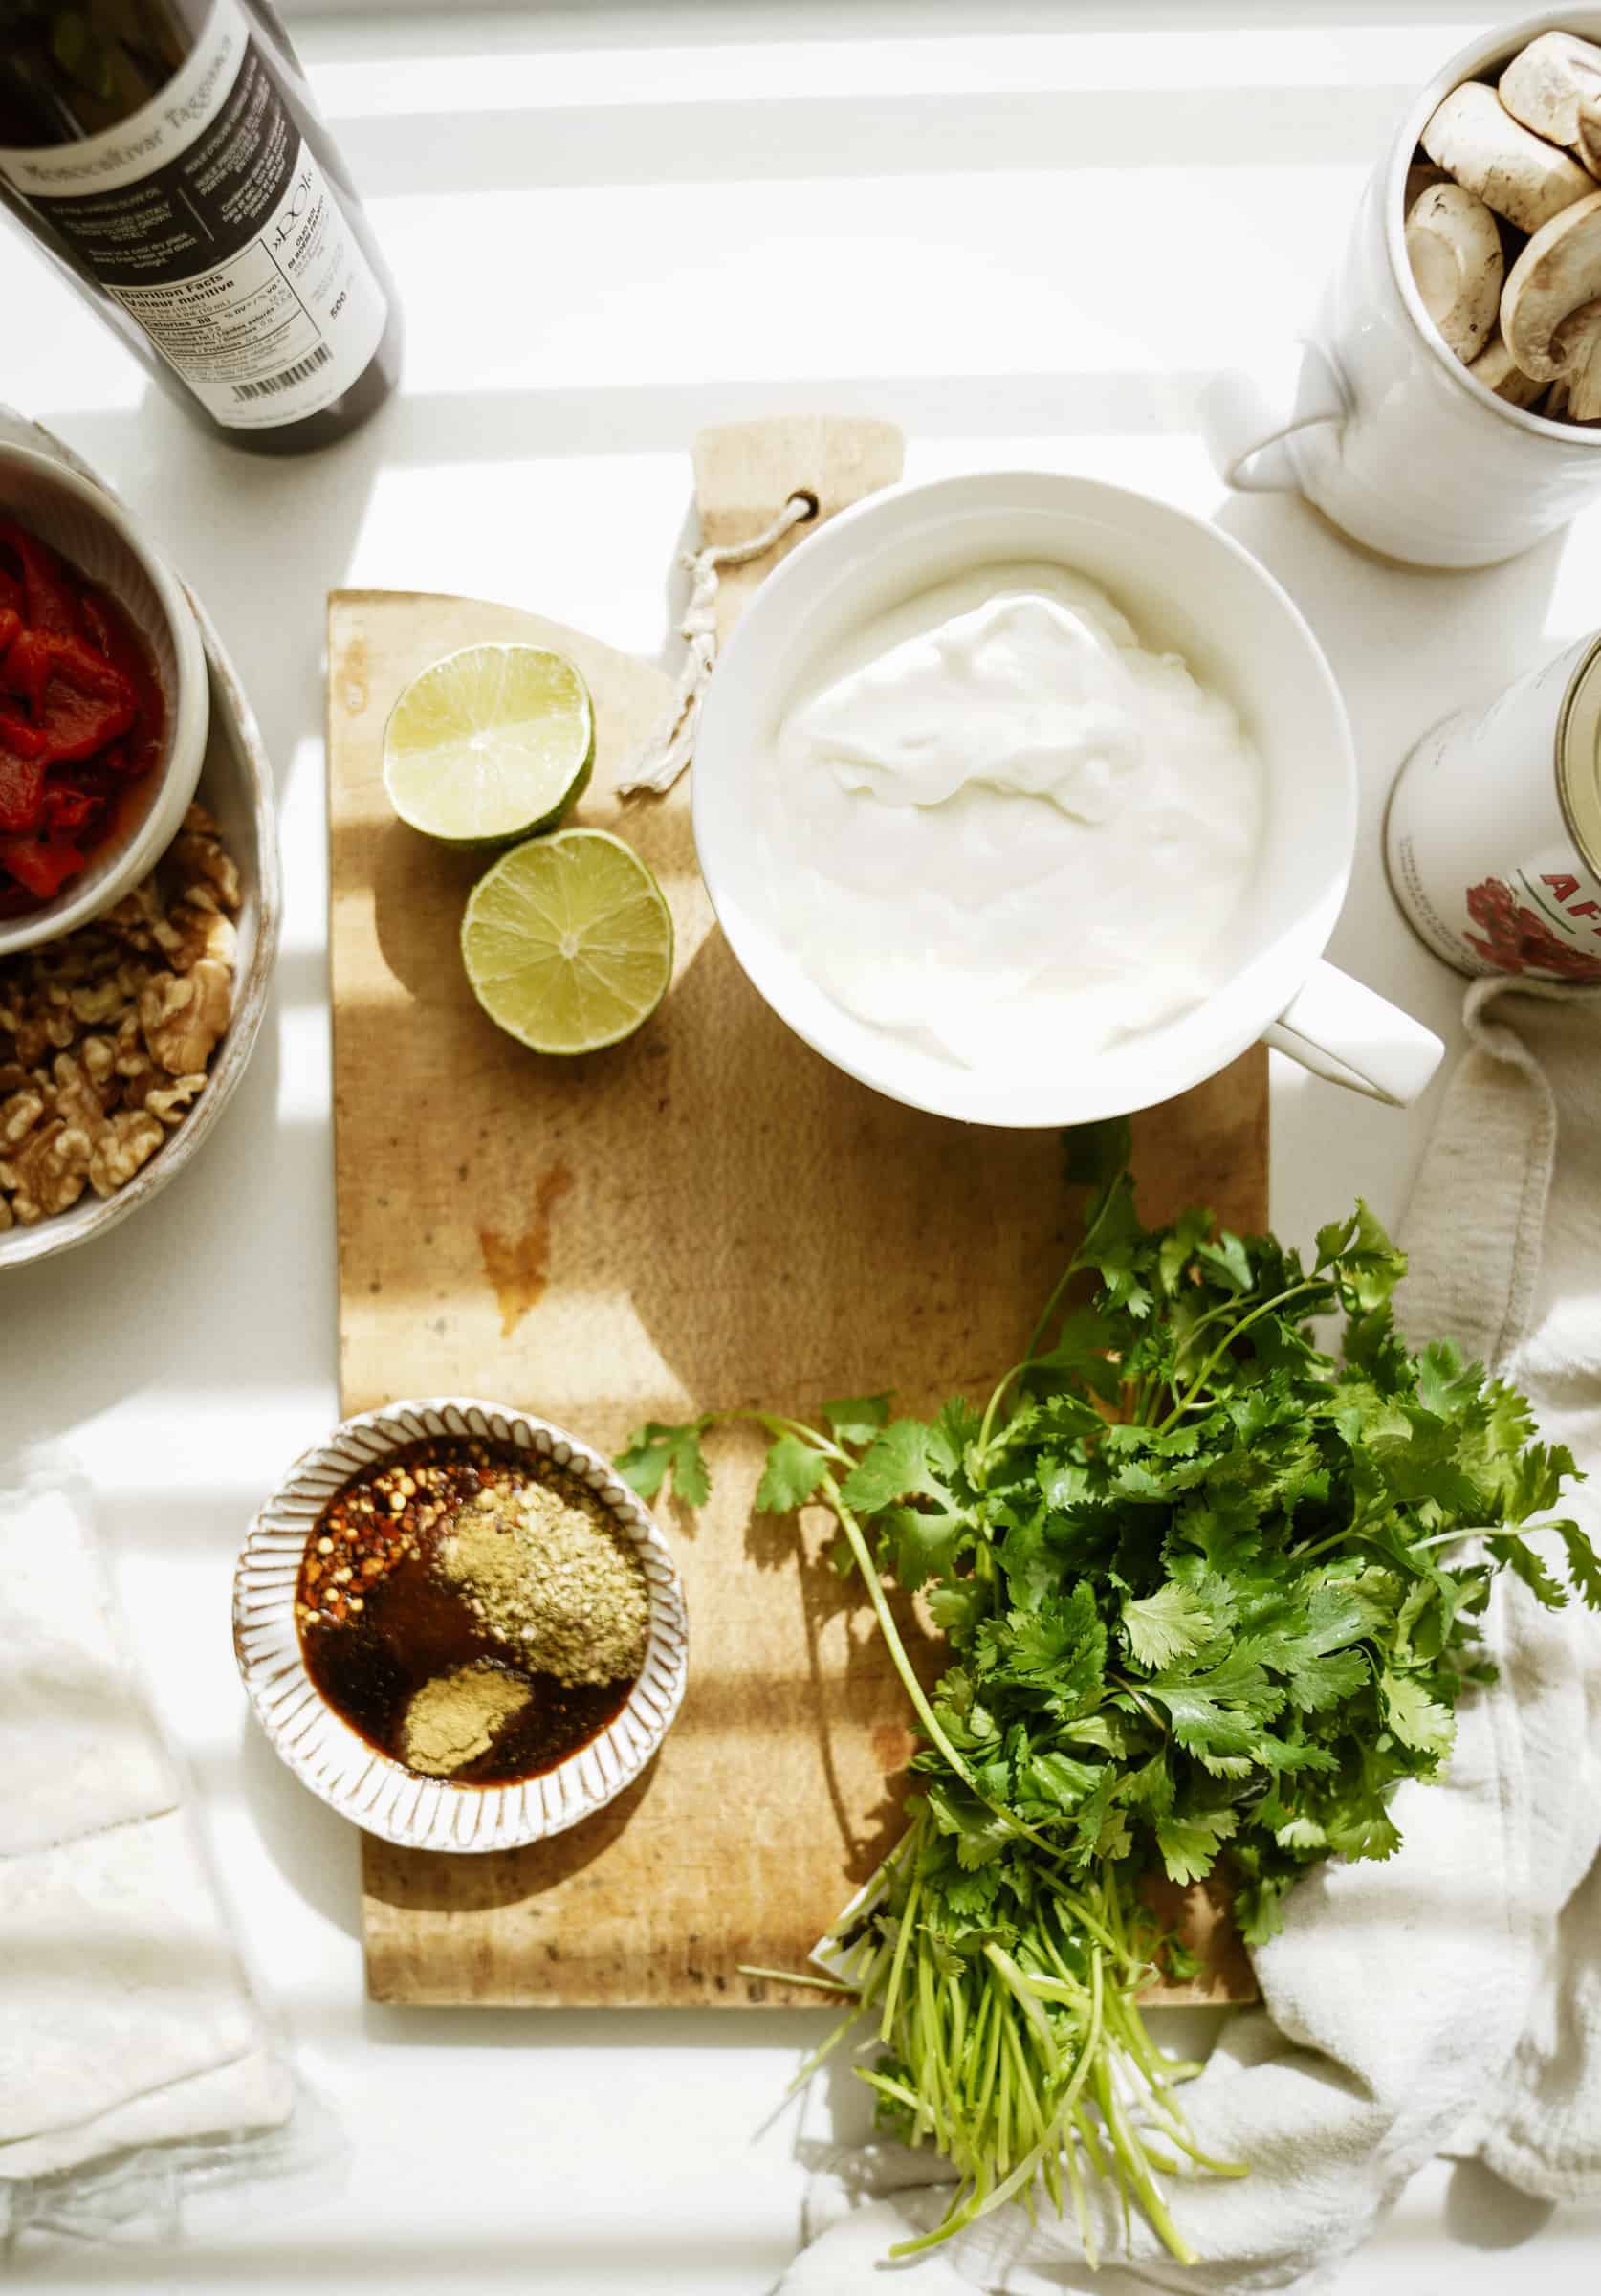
(1209, 1597)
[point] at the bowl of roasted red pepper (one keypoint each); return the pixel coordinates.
(103, 702)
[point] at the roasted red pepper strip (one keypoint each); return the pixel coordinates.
(25, 671)
(51, 599)
(22, 774)
(110, 633)
(82, 716)
(68, 809)
(42, 864)
(75, 697)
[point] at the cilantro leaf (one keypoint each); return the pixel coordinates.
(1360, 1255)
(1226, 1261)
(980, 1835)
(1525, 1563)
(1150, 1787)
(1445, 1387)
(926, 1542)
(1190, 1843)
(1172, 1622)
(793, 1471)
(1117, 1247)
(858, 1417)
(656, 1448)
(1418, 1720)
(894, 1467)
(957, 1607)
(1080, 1350)
(950, 1439)
(1221, 1711)
(1057, 1652)
(1058, 1780)
(1177, 1250)
(1583, 1567)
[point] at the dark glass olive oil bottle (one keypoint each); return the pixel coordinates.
(169, 156)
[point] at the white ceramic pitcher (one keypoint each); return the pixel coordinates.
(1374, 419)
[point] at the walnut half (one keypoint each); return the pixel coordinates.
(47, 1173)
(106, 1035)
(183, 1015)
(126, 1142)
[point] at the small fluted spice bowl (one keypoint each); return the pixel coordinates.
(332, 1760)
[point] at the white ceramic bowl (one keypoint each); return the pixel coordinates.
(96, 534)
(326, 1755)
(1185, 587)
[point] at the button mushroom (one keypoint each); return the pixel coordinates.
(1475, 139)
(1496, 369)
(1421, 176)
(1554, 87)
(1557, 407)
(1455, 251)
(1550, 309)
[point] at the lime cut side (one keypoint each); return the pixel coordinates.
(492, 743)
(568, 942)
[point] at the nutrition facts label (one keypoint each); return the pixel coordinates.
(207, 218)
(260, 336)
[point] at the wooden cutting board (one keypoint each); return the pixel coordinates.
(707, 1214)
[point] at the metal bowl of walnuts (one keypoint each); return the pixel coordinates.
(120, 1042)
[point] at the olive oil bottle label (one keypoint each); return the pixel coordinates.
(207, 218)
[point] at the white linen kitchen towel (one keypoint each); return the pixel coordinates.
(1449, 1999)
(124, 2015)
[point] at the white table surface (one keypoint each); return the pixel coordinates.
(1026, 232)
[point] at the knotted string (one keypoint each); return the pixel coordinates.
(667, 752)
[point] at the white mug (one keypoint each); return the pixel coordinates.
(1185, 587)
(1375, 419)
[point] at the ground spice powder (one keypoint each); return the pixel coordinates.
(546, 1569)
(455, 1717)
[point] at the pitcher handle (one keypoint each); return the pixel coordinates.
(1248, 415)
(1343, 1031)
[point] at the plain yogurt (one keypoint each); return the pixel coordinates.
(1000, 828)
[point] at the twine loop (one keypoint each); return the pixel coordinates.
(667, 750)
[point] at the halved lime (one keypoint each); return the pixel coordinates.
(568, 942)
(492, 743)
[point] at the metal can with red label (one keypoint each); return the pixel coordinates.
(1493, 840)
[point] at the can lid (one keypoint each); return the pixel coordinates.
(1578, 758)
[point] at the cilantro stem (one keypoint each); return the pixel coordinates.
(890, 2087)
(771, 1425)
(1437, 1539)
(1132, 1691)
(915, 1690)
(826, 2048)
(1074, 1266)
(994, 1405)
(797, 1977)
(1017, 1985)
(903, 1939)
(1131, 2156)
(1268, 1306)
(1081, 2209)
(1103, 1936)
